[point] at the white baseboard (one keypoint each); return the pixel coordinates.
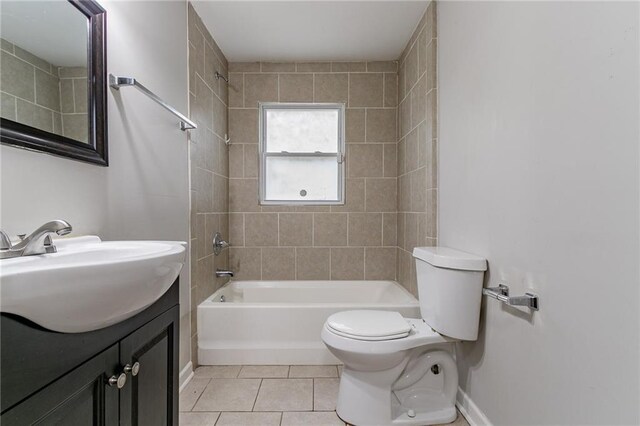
(470, 411)
(185, 375)
(250, 354)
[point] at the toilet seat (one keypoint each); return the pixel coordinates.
(370, 339)
(369, 325)
(421, 334)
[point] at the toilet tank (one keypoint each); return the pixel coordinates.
(450, 290)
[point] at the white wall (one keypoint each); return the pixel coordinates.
(148, 183)
(38, 187)
(539, 152)
(144, 193)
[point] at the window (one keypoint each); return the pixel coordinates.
(301, 153)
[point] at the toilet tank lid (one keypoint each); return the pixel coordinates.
(444, 257)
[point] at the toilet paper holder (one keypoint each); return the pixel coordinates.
(501, 293)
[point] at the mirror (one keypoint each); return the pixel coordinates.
(53, 78)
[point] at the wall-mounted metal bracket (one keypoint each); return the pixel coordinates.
(501, 293)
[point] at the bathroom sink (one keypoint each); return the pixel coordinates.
(89, 283)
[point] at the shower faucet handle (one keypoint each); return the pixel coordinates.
(219, 243)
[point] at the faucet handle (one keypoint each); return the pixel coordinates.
(5, 241)
(219, 244)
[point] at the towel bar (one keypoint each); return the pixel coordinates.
(501, 293)
(116, 82)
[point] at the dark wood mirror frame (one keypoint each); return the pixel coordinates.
(96, 151)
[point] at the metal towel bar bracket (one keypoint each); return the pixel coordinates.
(501, 293)
(116, 82)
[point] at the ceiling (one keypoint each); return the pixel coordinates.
(53, 30)
(311, 30)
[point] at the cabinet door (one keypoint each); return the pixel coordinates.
(81, 397)
(151, 396)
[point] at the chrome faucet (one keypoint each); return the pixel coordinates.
(39, 242)
(222, 273)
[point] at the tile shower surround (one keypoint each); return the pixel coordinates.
(417, 147)
(43, 95)
(391, 173)
(353, 241)
(209, 165)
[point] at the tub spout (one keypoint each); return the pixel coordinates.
(222, 273)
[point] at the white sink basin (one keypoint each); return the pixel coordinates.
(89, 284)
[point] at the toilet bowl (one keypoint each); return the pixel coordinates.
(400, 371)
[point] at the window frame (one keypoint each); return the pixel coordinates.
(263, 154)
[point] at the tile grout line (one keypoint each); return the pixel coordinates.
(348, 90)
(244, 85)
(253, 407)
(200, 396)
(383, 90)
(313, 229)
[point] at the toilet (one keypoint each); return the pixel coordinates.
(400, 371)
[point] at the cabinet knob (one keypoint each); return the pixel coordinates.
(133, 369)
(119, 381)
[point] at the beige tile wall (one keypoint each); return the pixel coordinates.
(391, 167)
(42, 95)
(209, 164)
(73, 102)
(354, 241)
(417, 146)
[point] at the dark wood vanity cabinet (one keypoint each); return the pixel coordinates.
(80, 397)
(150, 397)
(64, 379)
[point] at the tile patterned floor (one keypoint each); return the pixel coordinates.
(264, 395)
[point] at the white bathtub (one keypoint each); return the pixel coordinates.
(279, 322)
